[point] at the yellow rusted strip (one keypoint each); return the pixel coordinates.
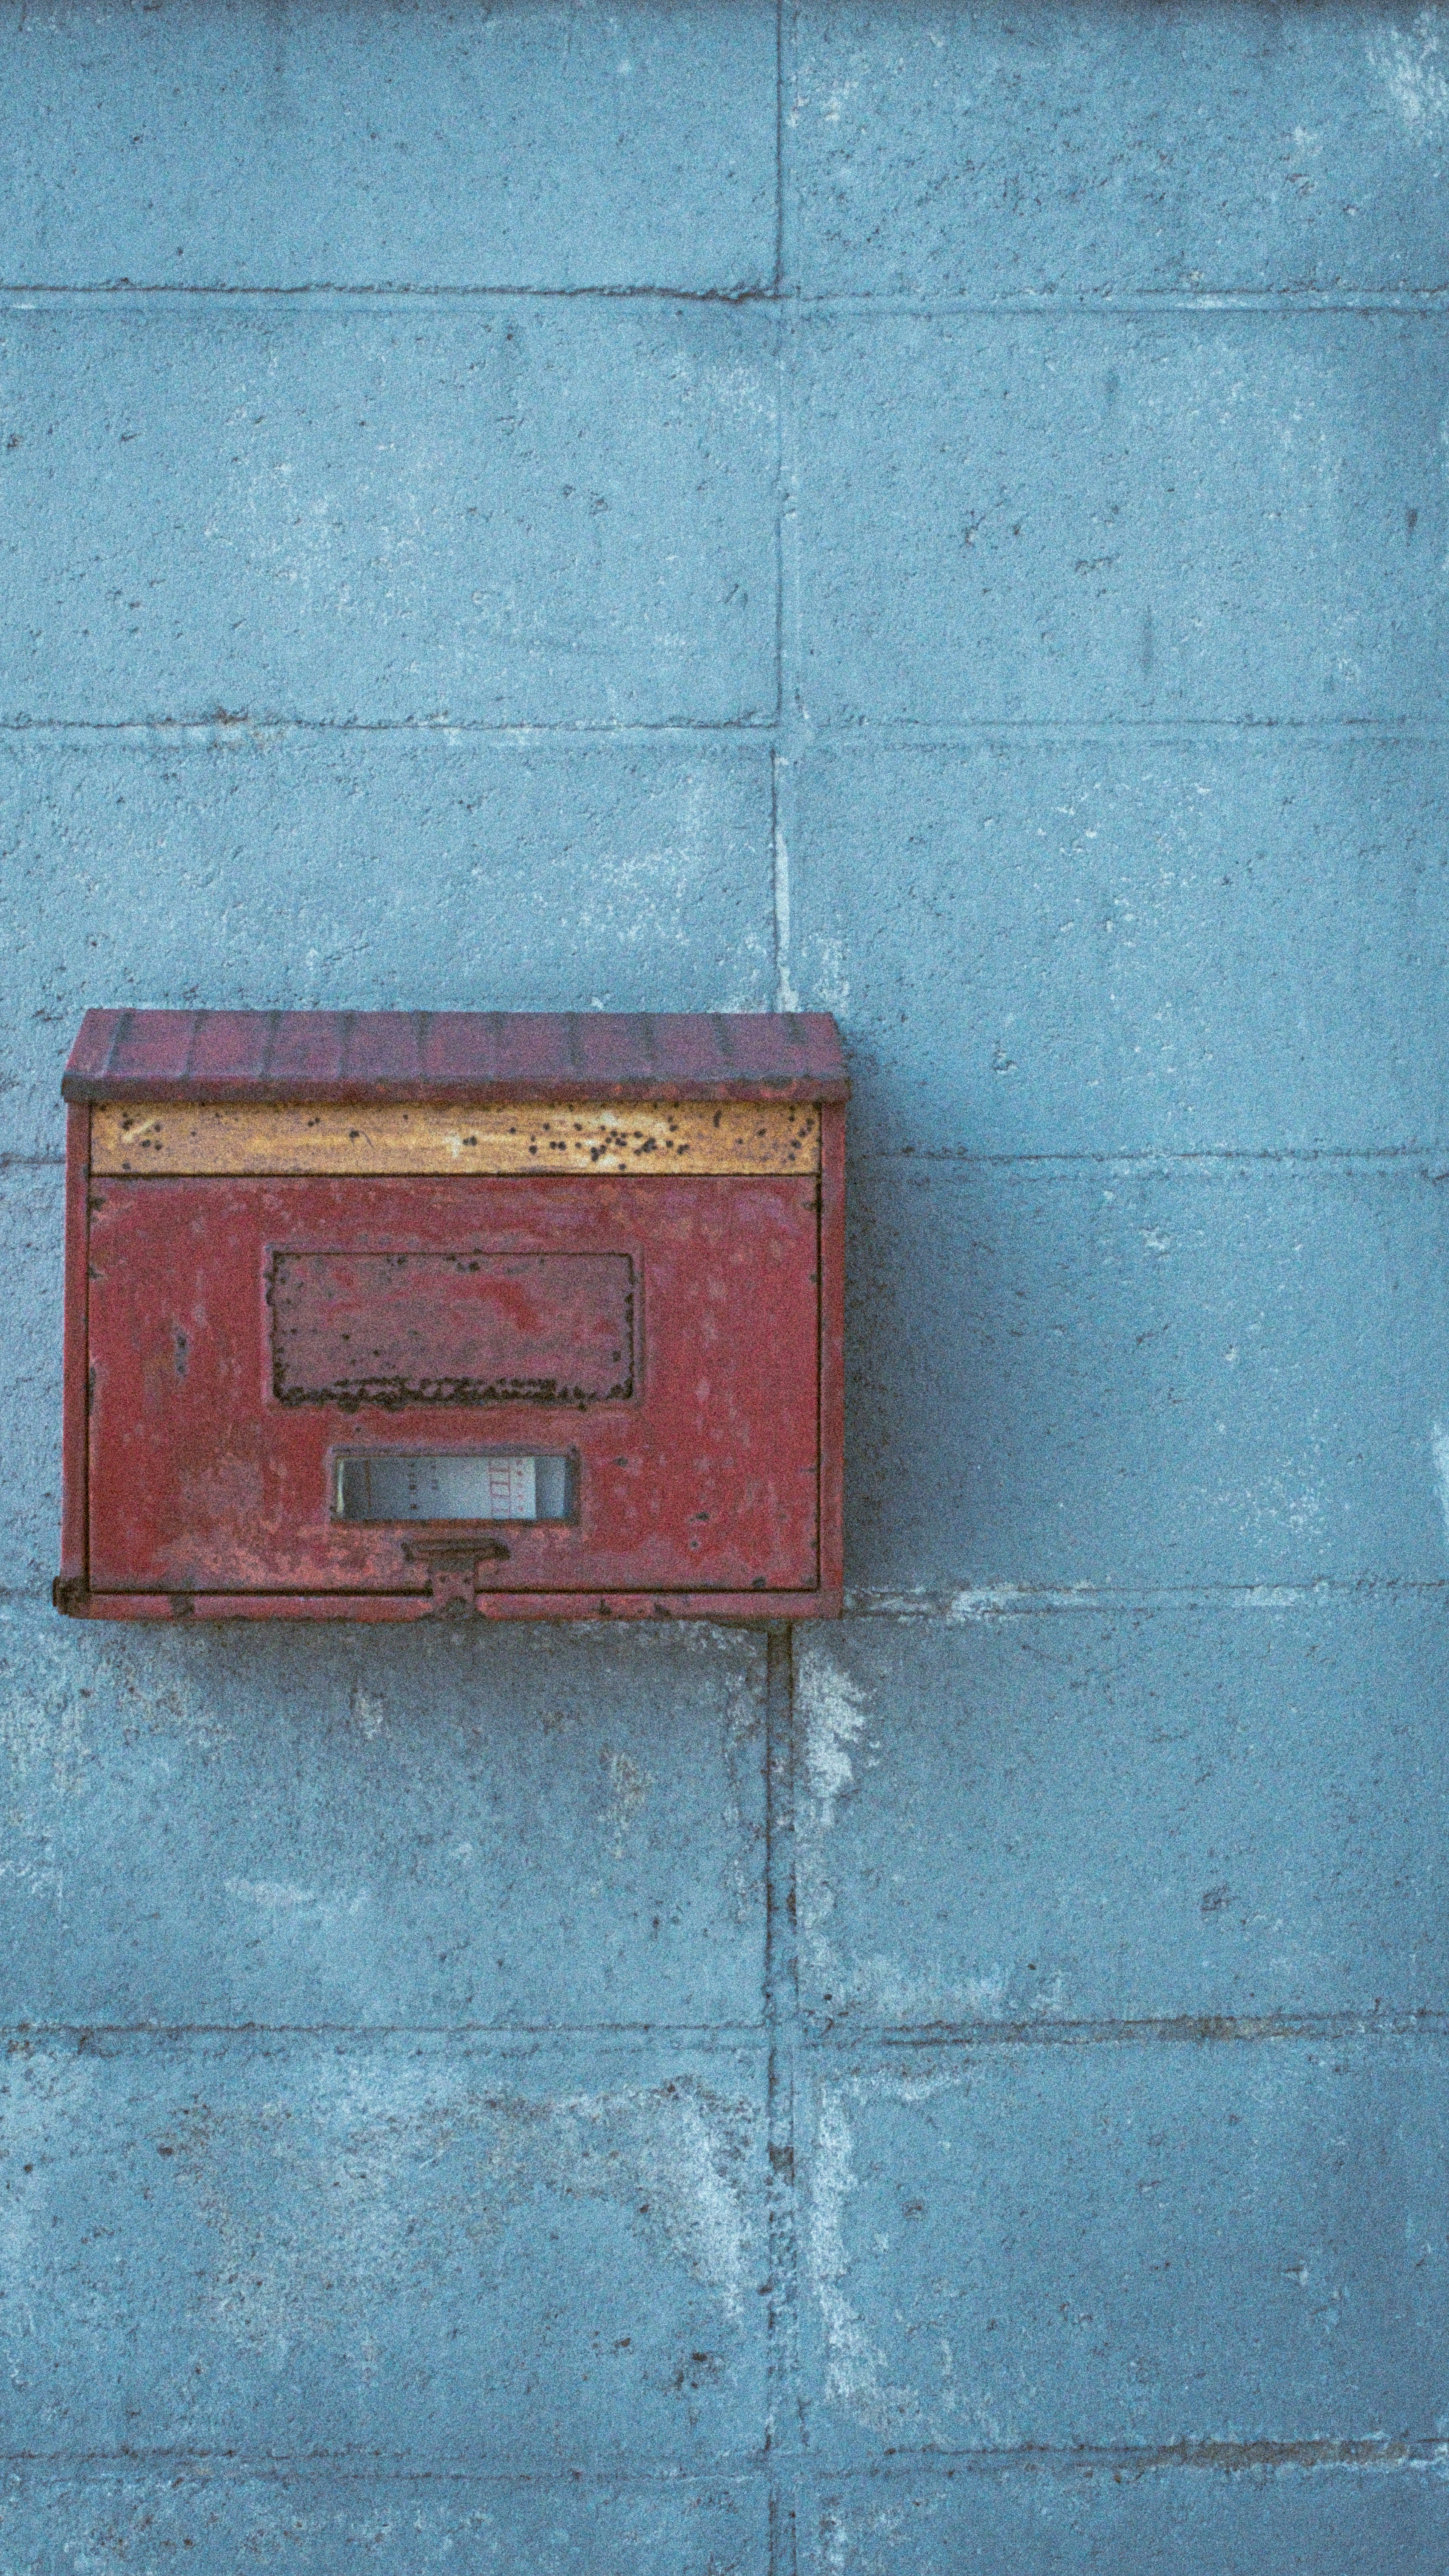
(658, 1137)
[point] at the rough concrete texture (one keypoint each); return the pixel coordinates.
(1035, 517)
(1225, 1370)
(1096, 151)
(528, 146)
(1107, 2245)
(1038, 1819)
(397, 866)
(310, 2522)
(935, 513)
(30, 1223)
(388, 513)
(344, 1829)
(1126, 2519)
(1179, 942)
(402, 2245)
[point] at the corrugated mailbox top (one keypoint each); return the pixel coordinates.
(454, 1056)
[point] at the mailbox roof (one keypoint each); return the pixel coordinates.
(455, 1055)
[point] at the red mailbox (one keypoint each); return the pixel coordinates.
(374, 1314)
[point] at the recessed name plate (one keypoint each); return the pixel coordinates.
(398, 1328)
(448, 1485)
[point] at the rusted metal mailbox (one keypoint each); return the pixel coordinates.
(372, 1315)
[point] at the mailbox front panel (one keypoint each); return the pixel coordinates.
(661, 1335)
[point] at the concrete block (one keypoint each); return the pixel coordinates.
(531, 145)
(313, 2520)
(536, 513)
(1098, 1816)
(253, 871)
(1077, 946)
(1088, 517)
(408, 2247)
(1123, 2246)
(1213, 1372)
(391, 1829)
(32, 1270)
(1068, 150)
(1122, 2520)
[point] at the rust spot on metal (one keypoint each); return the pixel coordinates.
(223, 1139)
(453, 1586)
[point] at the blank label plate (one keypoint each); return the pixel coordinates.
(399, 1328)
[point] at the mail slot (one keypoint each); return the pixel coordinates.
(377, 1315)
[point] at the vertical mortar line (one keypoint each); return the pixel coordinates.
(782, 2401)
(776, 291)
(778, 709)
(785, 996)
(779, 279)
(783, 2432)
(788, 715)
(785, 2436)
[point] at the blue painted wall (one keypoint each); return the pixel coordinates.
(938, 513)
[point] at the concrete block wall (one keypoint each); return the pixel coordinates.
(937, 513)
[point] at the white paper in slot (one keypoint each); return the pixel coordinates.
(449, 1485)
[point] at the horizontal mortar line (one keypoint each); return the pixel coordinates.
(1120, 1163)
(206, 730)
(379, 291)
(1368, 2450)
(1385, 2450)
(926, 733)
(729, 2034)
(821, 2038)
(827, 2042)
(742, 2468)
(975, 1603)
(1105, 304)
(1124, 1161)
(1096, 304)
(794, 735)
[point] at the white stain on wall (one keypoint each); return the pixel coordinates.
(368, 1714)
(1439, 1442)
(786, 996)
(281, 1897)
(834, 1713)
(678, 2151)
(853, 2365)
(890, 1994)
(323, 2201)
(1410, 63)
(628, 1789)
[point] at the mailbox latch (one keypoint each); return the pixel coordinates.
(453, 1570)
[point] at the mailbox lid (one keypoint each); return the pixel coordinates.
(463, 1056)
